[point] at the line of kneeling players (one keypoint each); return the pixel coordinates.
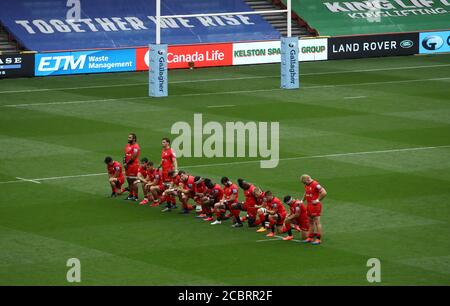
(215, 203)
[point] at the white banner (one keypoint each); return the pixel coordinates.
(270, 51)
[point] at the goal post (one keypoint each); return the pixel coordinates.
(158, 65)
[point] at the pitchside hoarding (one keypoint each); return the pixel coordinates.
(182, 56)
(434, 42)
(373, 45)
(85, 62)
(234, 54)
(16, 65)
(269, 51)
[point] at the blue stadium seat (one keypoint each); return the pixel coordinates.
(44, 25)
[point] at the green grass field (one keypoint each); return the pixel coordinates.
(390, 201)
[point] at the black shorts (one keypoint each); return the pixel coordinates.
(238, 206)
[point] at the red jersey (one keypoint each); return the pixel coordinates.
(249, 196)
(130, 150)
(200, 188)
(167, 157)
(277, 206)
(260, 199)
(298, 207)
(157, 177)
(229, 191)
(189, 184)
(216, 192)
(143, 171)
(154, 174)
(115, 167)
(175, 180)
(312, 191)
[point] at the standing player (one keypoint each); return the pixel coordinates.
(314, 194)
(168, 160)
(297, 216)
(230, 197)
(131, 164)
(277, 213)
(116, 178)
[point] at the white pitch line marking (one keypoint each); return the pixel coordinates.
(248, 162)
(222, 79)
(323, 156)
(28, 180)
(219, 106)
(281, 237)
(266, 240)
(12, 182)
(277, 238)
(357, 97)
(228, 92)
(68, 176)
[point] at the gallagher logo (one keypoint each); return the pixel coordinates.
(433, 42)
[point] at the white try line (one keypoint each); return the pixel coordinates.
(37, 180)
(227, 92)
(221, 79)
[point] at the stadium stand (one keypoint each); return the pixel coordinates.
(7, 45)
(278, 20)
(43, 25)
(333, 18)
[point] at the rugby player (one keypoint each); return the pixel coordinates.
(214, 194)
(230, 197)
(187, 191)
(248, 205)
(276, 212)
(314, 194)
(131, 164)
(168, 159)
(115, 176)
(297, 216)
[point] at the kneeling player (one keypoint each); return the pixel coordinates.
(142, 179)
(277, 213)
(200, 190)
(187, 191)
(171, 191)
(230, 197)
(214, 194)
(157, 187)
(298, 216)
(116, 178)
(248, 205)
